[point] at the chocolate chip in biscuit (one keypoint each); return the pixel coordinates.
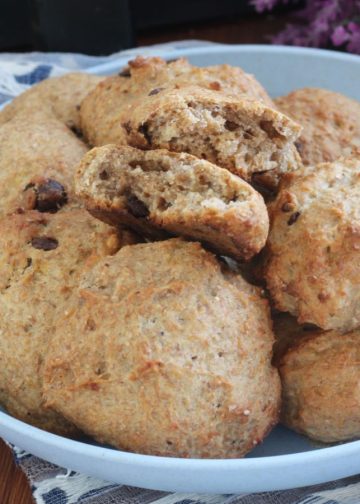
(125, 72)
(300, 147)
(144, 130)
(231, 126)
(104, 175)
(44, 243)
(156, 91)
(293, 218)
(50, 196)
(136, 207)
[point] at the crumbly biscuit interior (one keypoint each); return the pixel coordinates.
(162, 183)
(225, 137)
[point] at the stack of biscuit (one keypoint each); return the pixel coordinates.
(126, 313)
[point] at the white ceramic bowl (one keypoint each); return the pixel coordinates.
(284, 460)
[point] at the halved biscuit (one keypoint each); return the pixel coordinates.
(159, 193)
(240, 134)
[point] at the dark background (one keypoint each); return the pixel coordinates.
(105, 26)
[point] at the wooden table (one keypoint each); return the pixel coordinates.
(14, 488)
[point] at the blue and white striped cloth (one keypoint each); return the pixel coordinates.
(55, 485)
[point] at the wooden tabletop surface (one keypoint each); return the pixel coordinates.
(14, 487)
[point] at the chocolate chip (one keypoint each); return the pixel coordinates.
(310, 327)
(29, 186)
(136, 207)
(300, 147)
(78, 107)
(172, 60)
(125, 72)
(231, 126)
(28, 263)
(104, 175)
(293, 218)
(144, 130)
(50, 195)
(156, 91)
(44, 243)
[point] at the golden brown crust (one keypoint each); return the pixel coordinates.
(60, 96)
(103, 109)
(173, 355)
(31, 146)
(331, 123)
(159, 193)
(41, 256)
(313, 262)
(320, 381)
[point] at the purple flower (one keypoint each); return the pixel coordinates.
(339, 36)
(354, 40)
(322, 23)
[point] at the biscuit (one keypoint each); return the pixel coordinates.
(320, 386)
(312, 265)
(172, 355)
(35, 145)
(242, 135)
(60, 96)
(158, 193)
(103, 110)
(331, 123)
(41, 255)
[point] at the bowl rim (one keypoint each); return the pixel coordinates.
(218, 48)
(58, 442)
